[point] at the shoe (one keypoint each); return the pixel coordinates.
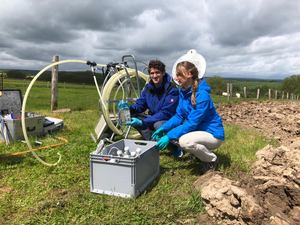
(177, 152)
(191, 158)
(209, 167)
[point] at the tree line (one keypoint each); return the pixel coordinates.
(64, 76)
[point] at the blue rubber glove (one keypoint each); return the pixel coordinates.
(163, 143)
(134, 122)
(121, 103)
(158, 134)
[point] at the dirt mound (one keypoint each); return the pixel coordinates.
(279, 120)
(270, 194)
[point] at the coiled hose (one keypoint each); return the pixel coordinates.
(24, 106)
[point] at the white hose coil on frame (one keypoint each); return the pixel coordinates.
(24, 106)
(109, 86)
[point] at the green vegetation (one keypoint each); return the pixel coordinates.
(291, 84)
(31, 193)
(217, 85)
(256, 84)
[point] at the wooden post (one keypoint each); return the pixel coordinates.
(245, 92)
(54, 84)
(228, 91)
(82, 85)
(282, 95)
(287, 95)
(275, 94)
(269, 93)
(257, 96)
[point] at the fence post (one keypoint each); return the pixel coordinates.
(257, 96)
(82, 85)
(275, 94)
(269, 93)
(228, 91)
(54, 84)
(230, 88)
(282, 95)
(287, 95)
(245, 92)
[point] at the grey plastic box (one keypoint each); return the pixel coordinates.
(126, 177)
(12, 100)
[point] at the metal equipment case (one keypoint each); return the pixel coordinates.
(52, 124)
(12, 100)
(125, 177)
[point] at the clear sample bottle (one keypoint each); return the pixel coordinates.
(126, 152)
(124, 113)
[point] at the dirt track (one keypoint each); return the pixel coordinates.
(270, 194)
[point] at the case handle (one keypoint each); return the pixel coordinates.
(32, 129)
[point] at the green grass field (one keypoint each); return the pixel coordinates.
(32, 193)
(255, 84)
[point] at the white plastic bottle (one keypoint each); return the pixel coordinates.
(124, 113)
(119, 153)
(138, 151)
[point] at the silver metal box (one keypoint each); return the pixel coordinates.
(11, 100)
(52, 124)
(120, 176)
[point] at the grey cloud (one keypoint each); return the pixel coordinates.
(237, 38)
(241, 23)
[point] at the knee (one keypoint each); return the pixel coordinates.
(186, 144)
(158, 124)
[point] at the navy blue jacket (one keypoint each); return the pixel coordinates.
(161, 101)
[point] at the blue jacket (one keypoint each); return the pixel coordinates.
(203, 117)
(161, 101)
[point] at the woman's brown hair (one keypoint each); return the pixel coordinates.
(190, 67)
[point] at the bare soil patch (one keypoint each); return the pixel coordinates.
(270, 194)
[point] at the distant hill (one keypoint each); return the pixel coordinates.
(27, 72)
(252, 79)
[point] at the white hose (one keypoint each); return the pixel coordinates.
(109, 86)
(97, 87)
(24, 107)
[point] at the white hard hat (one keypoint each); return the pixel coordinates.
(193, 57)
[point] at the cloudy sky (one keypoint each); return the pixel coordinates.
(238, 38)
